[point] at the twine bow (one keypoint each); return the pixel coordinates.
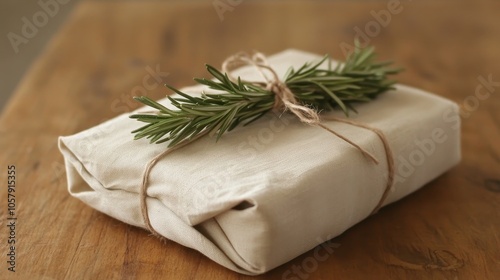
(284, 100)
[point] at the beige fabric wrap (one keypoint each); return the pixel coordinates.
(270, 191)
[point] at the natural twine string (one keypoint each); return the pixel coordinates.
(284, 99)
(145, 179)
(388, 155)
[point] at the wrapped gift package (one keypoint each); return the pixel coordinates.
(270, 191)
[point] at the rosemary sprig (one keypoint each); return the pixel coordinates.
(359, 79)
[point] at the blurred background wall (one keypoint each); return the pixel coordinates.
(18, 51)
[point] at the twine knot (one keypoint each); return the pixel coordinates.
(284, 97)
(284, 100)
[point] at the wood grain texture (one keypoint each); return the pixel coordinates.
(103, 55)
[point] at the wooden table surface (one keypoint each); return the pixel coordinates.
(88, 73)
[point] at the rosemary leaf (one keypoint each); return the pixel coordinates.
(359, 79)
